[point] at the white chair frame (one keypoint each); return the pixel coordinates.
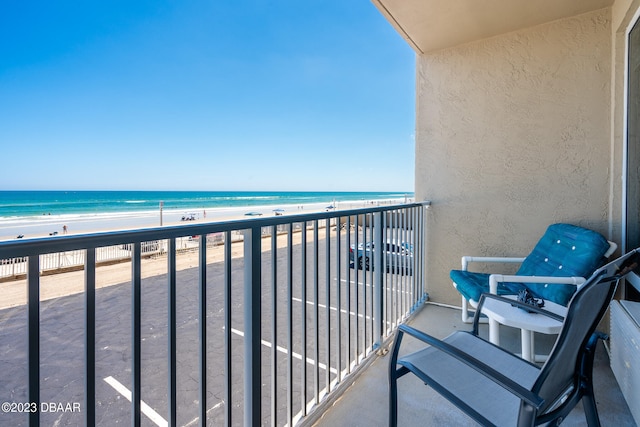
(497, 314)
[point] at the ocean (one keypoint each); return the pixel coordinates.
(36, 212)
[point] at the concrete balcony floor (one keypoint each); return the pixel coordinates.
(365, 402)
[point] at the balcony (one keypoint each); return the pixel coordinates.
(155, 327)
(250, 322)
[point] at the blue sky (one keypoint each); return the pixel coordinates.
(204, 95)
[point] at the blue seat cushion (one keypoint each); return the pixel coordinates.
(471, 285)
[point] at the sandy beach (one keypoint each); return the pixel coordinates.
(82, 224)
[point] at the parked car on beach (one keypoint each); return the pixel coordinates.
(398, 256)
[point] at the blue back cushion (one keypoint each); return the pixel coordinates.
(565, 250)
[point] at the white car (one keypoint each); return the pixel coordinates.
(399, 257)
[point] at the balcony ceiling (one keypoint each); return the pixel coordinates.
(430, 25)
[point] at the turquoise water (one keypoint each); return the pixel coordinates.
(22, 204)
(41, 213)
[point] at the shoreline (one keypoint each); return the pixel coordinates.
(47, 225)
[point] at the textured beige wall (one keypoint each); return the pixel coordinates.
(512, 134)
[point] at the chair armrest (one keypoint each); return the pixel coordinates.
(611, 250)
(516, 389)
(494, 279)
(467, 259)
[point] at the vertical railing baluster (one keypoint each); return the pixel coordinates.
(228, 356)
(399, 276)
(423, 255)
(90, 336)
(328, 305)
(33, 301)
(252, 319)
(274, 325)
(339, 300)
(202, 327)
(356, 293)
(403, 280)
(303, 315)
(353, 252)
(290, 325)
(385, 278)
(409, 278)
(416, 248)
(136, 332)
(172, 334)
(418, 260)
(407, 216)
(414, 240)
(316, 316)
(376, 289)
(396, 278)
(371, 279)
(412, 257)
(419, 255)
(365, 275)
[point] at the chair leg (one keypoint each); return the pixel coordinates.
(588, 397)
(394, 374)
(590, 409)
(393, 401)
(465, 311)
(467, 317)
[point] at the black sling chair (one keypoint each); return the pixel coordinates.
(495, 387)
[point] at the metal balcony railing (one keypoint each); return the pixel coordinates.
(260, 334)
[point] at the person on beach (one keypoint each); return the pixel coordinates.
(64, 229)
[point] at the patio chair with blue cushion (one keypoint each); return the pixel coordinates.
(495, 387)
(554, 269)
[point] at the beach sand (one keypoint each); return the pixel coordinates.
(47, 225)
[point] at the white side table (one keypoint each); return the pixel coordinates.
(500, 313)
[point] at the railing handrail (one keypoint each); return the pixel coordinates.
(43, 245)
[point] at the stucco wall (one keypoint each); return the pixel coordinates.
(512, 134)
